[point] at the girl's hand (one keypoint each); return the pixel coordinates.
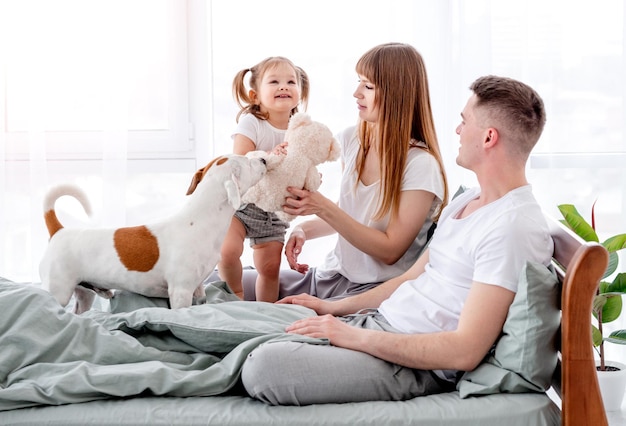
(280, 149)
(293, 248)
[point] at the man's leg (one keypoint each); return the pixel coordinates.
(294, 373)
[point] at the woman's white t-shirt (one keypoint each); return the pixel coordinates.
(361, 202)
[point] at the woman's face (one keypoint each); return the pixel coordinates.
(365, 95)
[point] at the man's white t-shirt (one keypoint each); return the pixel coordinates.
(261, 132)
(361, 203)
(489, 246)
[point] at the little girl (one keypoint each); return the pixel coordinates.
(277, 86)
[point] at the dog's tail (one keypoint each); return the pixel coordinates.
(52, 222)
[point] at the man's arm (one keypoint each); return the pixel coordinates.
(480, 324)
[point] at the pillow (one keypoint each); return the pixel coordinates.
(525, 355)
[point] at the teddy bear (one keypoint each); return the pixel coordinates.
(309, 143)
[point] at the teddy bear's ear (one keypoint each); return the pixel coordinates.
(334, 151)
(299, 119)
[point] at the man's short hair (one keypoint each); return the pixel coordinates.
(516, 109)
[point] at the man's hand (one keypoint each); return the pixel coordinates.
(328, 327)
(320, 306)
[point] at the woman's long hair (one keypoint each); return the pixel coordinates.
(398, 73)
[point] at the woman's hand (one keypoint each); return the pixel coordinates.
(293, 248)
(303, 202)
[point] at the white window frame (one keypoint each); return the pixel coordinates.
(175, 141)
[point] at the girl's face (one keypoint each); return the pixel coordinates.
(279, 89)
(365, 95)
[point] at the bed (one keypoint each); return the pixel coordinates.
(143, 364)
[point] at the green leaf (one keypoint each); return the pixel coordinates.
(603, 287)
(608, 302)
(618, 336)
(612, 265)
(612, 308)
(618, 285)
(577, 223)
(596, 336)
(615, 243)
(598, 303)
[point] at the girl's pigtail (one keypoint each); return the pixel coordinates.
(304, 89)
(240, 93)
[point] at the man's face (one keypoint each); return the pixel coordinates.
(471, 133)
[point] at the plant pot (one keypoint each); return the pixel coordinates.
(612, 385)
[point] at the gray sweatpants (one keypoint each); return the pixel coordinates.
(291, 282)
(294, 373)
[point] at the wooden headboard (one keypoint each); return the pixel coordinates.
(580, 266)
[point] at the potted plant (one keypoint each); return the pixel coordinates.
(607, 305)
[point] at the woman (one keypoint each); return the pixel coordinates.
(393, 185)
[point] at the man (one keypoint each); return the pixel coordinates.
(444, 314)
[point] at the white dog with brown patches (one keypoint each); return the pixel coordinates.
(170, 258)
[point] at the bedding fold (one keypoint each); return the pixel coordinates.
(52, 357)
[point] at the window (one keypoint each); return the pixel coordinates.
(572, 52)
(78, 71)
(82, 78)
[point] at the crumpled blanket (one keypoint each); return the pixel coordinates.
(50, 356)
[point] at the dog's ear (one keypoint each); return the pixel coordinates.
(197, 177)
(232, 192)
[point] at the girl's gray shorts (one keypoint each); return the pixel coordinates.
(261, 226)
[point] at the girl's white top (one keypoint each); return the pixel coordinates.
(261, 132)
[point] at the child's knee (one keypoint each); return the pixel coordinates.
(230, 254)
(267, 260)
(268, 269)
